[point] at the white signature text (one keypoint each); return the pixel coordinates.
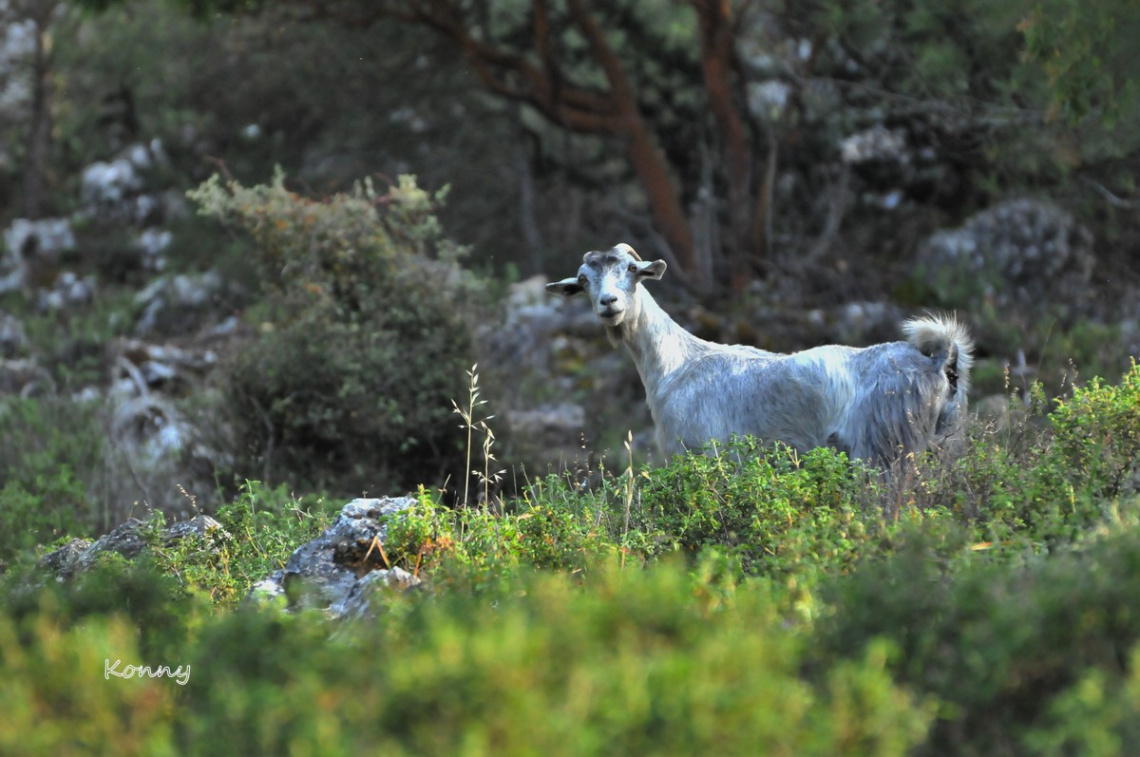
(181, 674)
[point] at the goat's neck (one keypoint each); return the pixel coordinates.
(656, 342)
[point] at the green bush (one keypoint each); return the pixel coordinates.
(262, 528)
(631, 662)
(761, 506)
(51, 468)
(1003, 647)
(1098, 432)
(364, 338)
(741, 598)
(1098, 715)
(773, 514)
(55, 701)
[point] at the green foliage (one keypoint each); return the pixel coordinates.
(1095, 716)
(776, 512)
(264, 527)
(1098, 432)
(1002, 647)
(1044, 479)
(51, 465)
(55, 701)
(156, 605)
(632, 662)
(364, 338)
(747, 596)
(1088, 51)
(760, 513)
(948, 50)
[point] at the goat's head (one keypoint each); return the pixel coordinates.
(610, 280)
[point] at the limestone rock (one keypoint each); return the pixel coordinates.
(128, 540)
(13, 339)
(1024, 254)
(334, 572)
(182, 303)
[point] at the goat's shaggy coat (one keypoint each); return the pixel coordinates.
(878, 403)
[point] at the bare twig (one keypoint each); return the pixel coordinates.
(1112, 199)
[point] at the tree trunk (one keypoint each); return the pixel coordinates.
(717, 64)
(39, 136)
(528, 223)
(645, 155)
(585, 110)
(649, 163)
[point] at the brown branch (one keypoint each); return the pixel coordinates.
(718, 63)
(575, 108)
(645, 155)
(607, 58)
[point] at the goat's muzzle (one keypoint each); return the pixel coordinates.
(611, 316)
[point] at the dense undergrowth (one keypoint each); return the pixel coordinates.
(748, 601)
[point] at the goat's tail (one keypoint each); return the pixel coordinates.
(947, 340)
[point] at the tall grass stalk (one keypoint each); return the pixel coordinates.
(469, 423)
(628, 484)
(472, 424)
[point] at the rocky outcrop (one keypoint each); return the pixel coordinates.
(128, 540)
(113, 191)
(183, 303)
(340, 570)
(1025, 255)
(32, 251)
(339, 573)
(171, 450)
(13, 337)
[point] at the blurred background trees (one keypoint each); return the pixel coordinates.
(810, 170)
(716, 134)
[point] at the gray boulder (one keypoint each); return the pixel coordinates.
(1024, 254)
(335, 571)
(13, 338)
(182, 303)
(46, 236)
(129, 540)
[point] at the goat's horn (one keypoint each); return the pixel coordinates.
(630, 250)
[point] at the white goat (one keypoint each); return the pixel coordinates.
(877, 403)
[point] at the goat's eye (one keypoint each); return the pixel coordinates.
(632, 268)
(582, 279)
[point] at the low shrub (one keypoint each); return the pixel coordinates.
(631, 662)
(1004, 647)
(54, 699)
(262, 528)
(51, 472)
(1098, 432)
(1047, 477)
(745, 597)
(364, 338)
(1097, 715)
(777, 511)
(773, 514)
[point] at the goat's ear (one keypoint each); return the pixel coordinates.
(566, 287)
(652, 270)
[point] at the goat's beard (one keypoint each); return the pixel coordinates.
(616, 331)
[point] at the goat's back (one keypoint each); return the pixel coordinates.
(875, 403)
